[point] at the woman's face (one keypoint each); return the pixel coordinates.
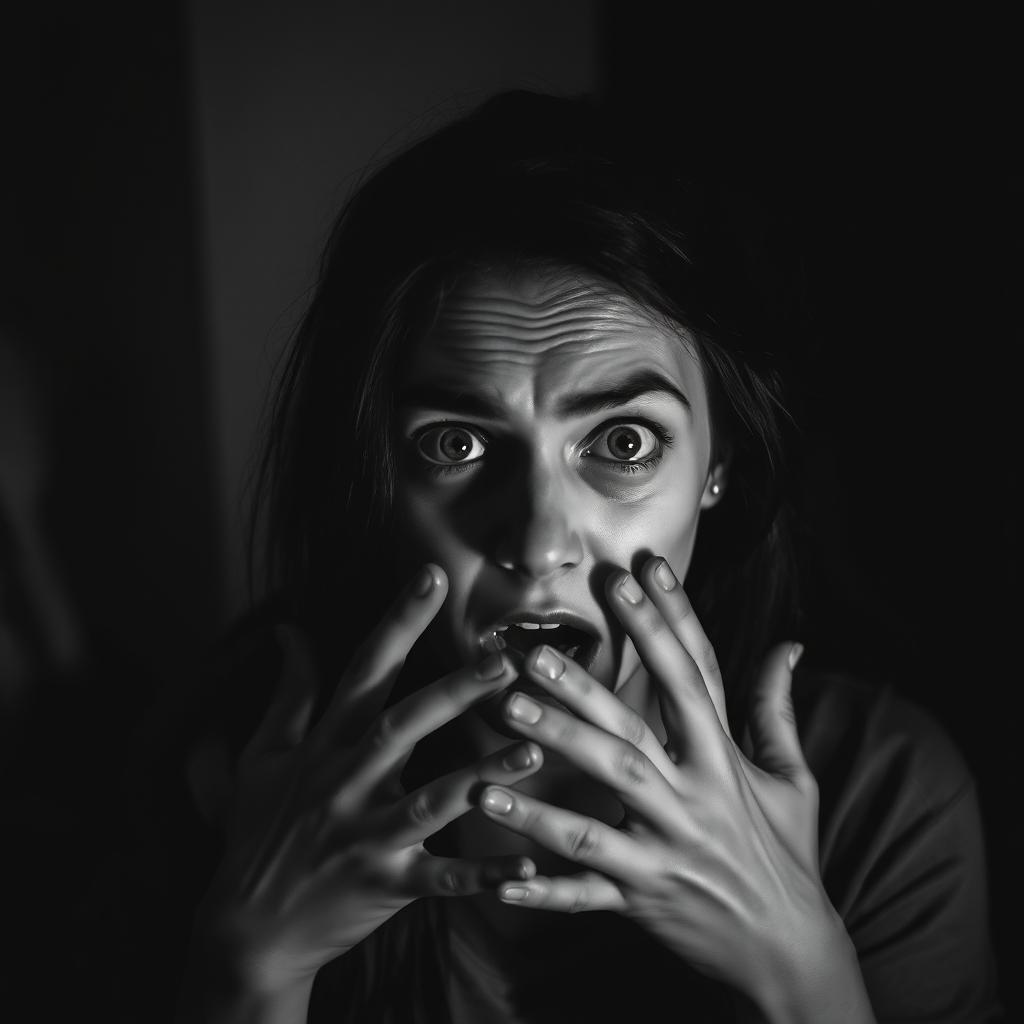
(550, 433)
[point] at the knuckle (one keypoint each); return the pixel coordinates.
(450, 881)
(529, 818)
(632, 728)
(786, 712)
(582, 842)
(685, 608)
(383, 732)
(422, 808)
(708, 658)
(631, 765)
(580, 899)
(581, 683)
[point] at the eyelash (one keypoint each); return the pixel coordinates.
(665, 440)
(438, 470)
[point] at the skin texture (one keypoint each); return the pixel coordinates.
(532, 523)
(529, 522)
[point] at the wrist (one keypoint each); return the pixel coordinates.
(814, 979)
(227, 981)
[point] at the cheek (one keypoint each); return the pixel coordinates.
(664, 523)
(425, 531)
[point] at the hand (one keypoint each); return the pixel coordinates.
(717, 853)
(323, 843)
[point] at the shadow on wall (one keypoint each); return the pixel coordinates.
(100, 295)
(110, 582)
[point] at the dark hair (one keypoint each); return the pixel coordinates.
(524, 180)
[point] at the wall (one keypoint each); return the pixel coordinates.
(293, 101)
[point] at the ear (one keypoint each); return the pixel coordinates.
(714, 486)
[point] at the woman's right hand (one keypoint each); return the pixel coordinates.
(323, 843)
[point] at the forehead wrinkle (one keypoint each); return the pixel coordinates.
(475, 346)
(537, 300)
(531, 340)
(482, 315)
(526, 387)
(578, 330)
(496, 354)
(534, 289)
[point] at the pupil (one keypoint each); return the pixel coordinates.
(624, 442)
(456, 444)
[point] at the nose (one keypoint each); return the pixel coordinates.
(538, 537)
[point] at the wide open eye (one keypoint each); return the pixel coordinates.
(626, 442)
(450, 445)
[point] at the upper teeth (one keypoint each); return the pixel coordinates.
(530, 625)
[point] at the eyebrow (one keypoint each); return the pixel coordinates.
(583, 403)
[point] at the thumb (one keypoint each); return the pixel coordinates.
(286, 720)
(774, 742)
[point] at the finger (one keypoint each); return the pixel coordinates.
(691, 719)
(397, 729)
(568, 894)
(775, 743)
(453, 876)
(609, 759)
(364, 686)
(431, 807)
(572, 836)
(285, 723)
(668, 595)
(565, 680)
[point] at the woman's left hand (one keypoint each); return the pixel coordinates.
(717, 855)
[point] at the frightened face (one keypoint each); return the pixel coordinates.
(551, 432)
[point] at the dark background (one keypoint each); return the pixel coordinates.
(876, 152)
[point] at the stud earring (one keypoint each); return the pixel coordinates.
(716, 489)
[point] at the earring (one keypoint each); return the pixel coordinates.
(716, 490)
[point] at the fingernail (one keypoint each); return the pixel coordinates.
(493, 642)
(497, 801)
(630, 589)
(548, 664)
(514, 893)
(795, 652)
(665, 577)
(518, 759)
(491, 667)
(424, 583)
(524, 710)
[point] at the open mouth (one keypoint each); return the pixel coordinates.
(574, 642)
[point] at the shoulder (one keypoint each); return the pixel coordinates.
(901, 847)
(862, 733)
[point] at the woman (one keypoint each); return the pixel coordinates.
(568, 772)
